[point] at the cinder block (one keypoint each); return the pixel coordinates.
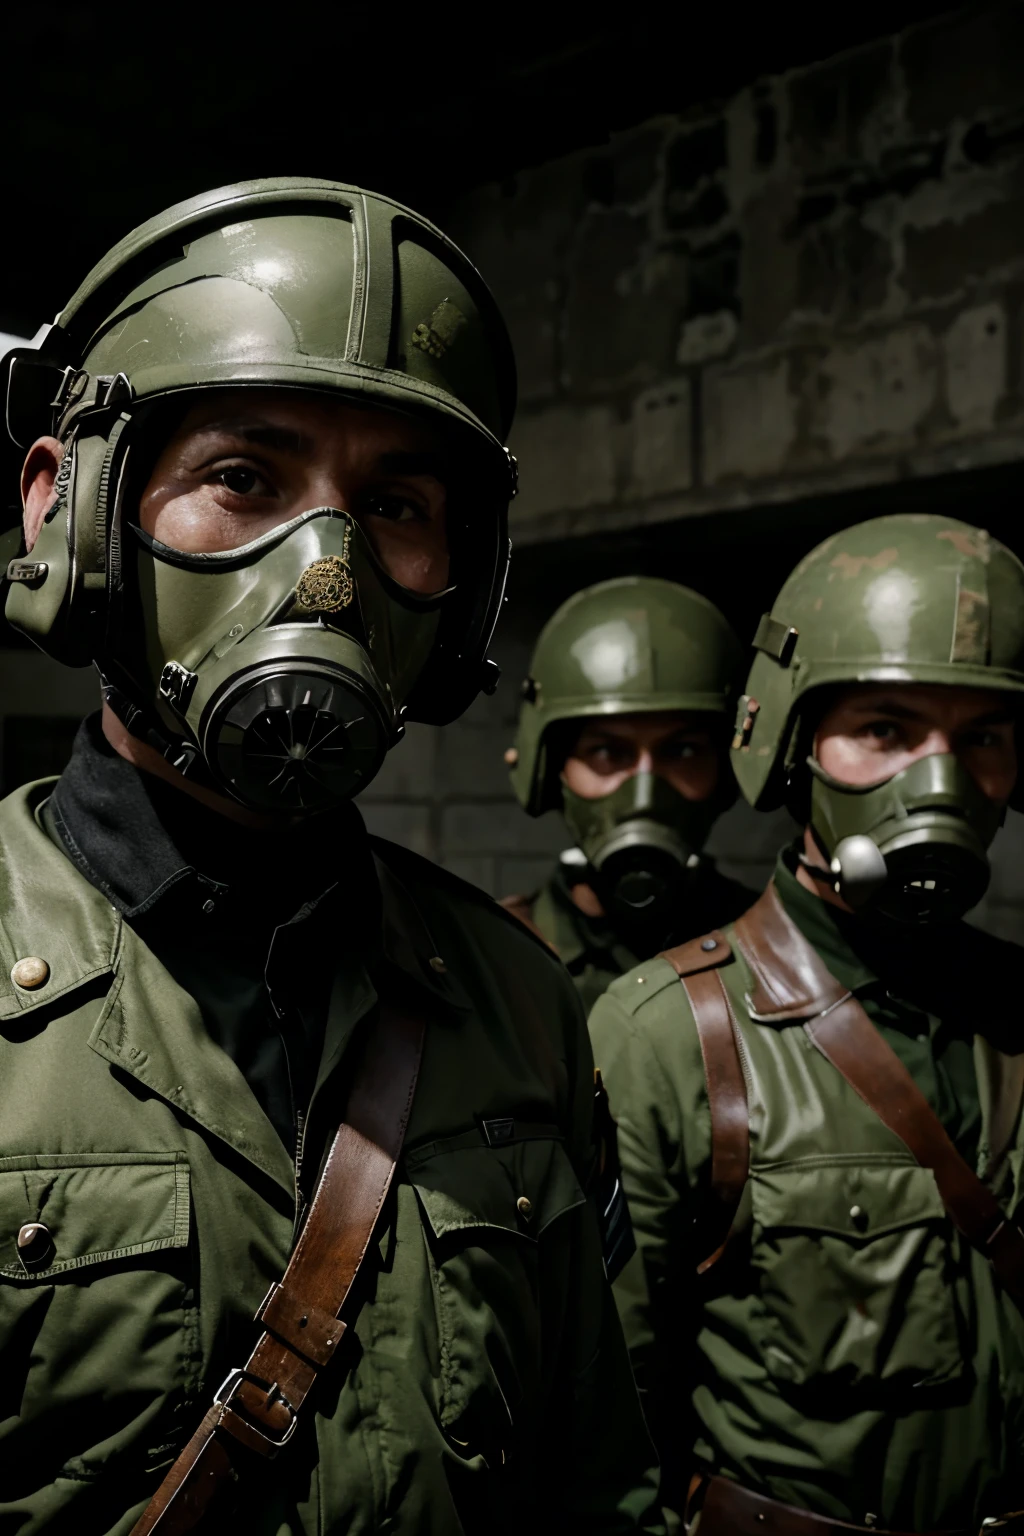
(976, 367)
(470, 763)
(408, 771)
(749, 420)
(842, 109)
(479, 872)
(744, 837)
(662, 458)
(566, 460)
(621, 295)
(877, 393)
(409, 825)
(498, 827)
(962, 65)
(522, 877)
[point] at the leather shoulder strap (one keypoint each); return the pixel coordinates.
(846, 1037)
(696, 964)
(257, 1407)
(792, 982)
(521, 908)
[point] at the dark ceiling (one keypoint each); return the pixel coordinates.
(113, 112)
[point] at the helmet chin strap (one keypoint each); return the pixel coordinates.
(822, 876)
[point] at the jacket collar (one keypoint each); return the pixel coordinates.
(149, 1027)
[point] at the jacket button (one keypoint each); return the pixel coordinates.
(35, 1245)
(30, 973)
(524, 1207)
(859, 1217)
(708, 945)
(437, 964)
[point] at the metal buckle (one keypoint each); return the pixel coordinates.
(230, 1385)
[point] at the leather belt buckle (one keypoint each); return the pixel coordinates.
(243, 1429)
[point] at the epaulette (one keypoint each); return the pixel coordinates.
(642, 983)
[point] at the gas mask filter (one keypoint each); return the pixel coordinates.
(912, 849)
(641, 843)
(281, 666)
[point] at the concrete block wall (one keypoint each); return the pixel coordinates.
(813, 286)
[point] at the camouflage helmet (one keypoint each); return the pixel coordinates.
(287, 282)
(909, 598)
(632, 645)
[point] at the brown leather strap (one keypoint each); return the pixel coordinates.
(696, 964)
(521, 908)
(726, 1509)
(791, 977)
(846, 1037)
(258, 1407)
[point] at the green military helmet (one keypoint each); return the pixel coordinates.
(910, 598)
(632, 645)
(285, 282)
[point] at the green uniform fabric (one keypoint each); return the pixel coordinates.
(595, 953)
(487, 1387)
(849, 1355)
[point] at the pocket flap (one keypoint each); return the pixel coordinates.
(859, 1199)
(521, 1188)
(95, 1207)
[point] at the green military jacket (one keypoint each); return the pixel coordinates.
(593, 951)
(849, 1354)
(486, 1387)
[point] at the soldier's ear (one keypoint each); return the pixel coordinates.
(38, 492)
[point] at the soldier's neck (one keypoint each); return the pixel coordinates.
(146, 758)
(587, 899)
(813, 855)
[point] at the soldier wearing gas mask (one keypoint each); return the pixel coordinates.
(820, 1130)
(624, 728)
(285, 1108)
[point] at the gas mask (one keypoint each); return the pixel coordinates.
(642, 844)
(281, 667)
(912, 849)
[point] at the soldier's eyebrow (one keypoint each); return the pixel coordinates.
(412, 462)
(262, 434)
(1000, 714)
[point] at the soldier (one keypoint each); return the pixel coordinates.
(821, 1128)
(623, 728)
(273, 512)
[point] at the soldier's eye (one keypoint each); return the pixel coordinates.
(241, 480)
(396, 509)
(884, 731)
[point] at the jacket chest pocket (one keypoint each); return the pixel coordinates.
(855, 1272)
(498, 1232)
(97, 1303)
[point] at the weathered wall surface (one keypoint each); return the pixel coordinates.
(813, 286)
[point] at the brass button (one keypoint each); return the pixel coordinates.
(30, 973)
(35, 1245)
(524, 1207)
(437, 964)
(511, 756)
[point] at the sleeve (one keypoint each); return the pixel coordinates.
(604, 1467)
(649, 1056)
